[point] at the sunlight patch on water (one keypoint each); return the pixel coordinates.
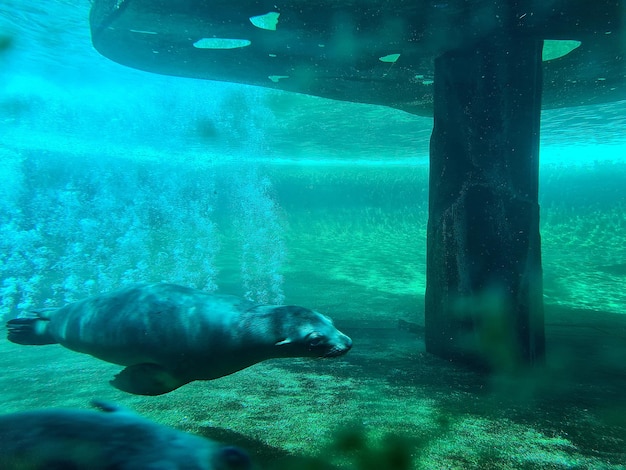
(221, 43)
(268, 21)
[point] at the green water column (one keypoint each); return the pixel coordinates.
(484, 288)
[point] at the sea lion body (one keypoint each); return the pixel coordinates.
(168, 335)
(120, 439)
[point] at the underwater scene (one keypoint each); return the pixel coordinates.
(113, 178)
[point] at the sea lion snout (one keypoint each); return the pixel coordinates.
(309, 334)
(333, 344)
(341, 347)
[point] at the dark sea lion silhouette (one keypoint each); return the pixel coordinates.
(116, 439)
(169, 335)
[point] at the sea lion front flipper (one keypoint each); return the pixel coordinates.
(109, 407)
(146, 379)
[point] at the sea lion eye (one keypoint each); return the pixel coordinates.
(315, 339)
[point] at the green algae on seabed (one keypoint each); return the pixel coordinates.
(385, 391)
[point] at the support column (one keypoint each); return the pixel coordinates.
(484, 293)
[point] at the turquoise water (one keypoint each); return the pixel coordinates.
(111, 176)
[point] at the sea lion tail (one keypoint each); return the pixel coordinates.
(30, 331)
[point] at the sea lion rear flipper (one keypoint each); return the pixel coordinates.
(146, 379)
(30, 331)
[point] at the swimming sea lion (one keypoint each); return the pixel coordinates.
(168, 335)
(120, 439)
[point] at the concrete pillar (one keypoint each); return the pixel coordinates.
(484, 304)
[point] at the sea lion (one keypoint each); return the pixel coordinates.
(169, 335)
(120, 439)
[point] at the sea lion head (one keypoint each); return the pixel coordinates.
(307, 333)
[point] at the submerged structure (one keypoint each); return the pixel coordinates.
(483, 69)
